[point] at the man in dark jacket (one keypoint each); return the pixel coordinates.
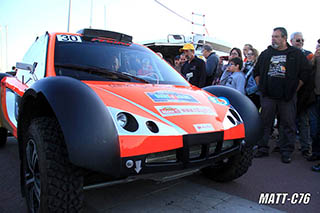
(211, 63)
(280, 71)
(305, 98)
(194, 69)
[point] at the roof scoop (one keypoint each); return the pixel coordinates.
(93, 33)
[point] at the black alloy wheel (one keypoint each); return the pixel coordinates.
(32, 176)
(51, 182)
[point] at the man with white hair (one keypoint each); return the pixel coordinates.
(297, 41)
(305, 98)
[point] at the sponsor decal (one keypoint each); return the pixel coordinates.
(169, 96)
(282, 198)
(69, 38)
(219, 100)
(185, 110)
(203, 127)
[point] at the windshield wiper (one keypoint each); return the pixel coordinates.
(102, 71)
(134, 77)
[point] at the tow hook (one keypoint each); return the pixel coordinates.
(242, 144)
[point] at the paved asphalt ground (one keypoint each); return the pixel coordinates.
(194, 193)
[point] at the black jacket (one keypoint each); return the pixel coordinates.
(306, 95)
(212, 64)
(296, 67)
(195, 72)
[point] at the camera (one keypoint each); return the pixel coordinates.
(225, 58)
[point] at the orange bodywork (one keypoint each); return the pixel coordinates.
(133, 98)
(139, 145)
(18, 88)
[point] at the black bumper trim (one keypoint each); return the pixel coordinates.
(206, 138)
(173, 166)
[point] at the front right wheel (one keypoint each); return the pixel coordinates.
(51, 182)
(230, 168)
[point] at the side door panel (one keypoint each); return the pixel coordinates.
(11, 92)
(13, 87)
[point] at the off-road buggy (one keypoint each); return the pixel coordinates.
(92, 107)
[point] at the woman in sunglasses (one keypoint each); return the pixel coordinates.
(222, 67)
(251, 87)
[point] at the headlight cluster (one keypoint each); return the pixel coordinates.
(130, 123)
(231, 119)
(127, 121)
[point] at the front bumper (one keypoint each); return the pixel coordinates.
(199, 150)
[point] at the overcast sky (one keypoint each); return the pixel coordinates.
(236, 22)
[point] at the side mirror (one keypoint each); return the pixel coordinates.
(25, 66)
(31, 68)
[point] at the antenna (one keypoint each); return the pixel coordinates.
(6, 67)
(0, 50)
(105, 17)
(69, 15)
(91, 15)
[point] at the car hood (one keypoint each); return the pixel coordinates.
(175, 110)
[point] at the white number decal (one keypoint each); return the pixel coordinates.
(69, 38)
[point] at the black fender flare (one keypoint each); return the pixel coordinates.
(89, 132)
(246, 109)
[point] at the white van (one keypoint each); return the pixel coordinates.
(170, 46)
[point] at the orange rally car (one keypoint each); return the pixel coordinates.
(93, 107)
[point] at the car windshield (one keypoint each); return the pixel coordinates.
(102, 61)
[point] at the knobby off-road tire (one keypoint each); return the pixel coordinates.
(3, 136)
(235, 167)
(52, 183)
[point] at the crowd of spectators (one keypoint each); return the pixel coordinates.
(283, 82)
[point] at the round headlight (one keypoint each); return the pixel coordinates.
(122, 119)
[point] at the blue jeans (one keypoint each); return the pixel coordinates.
(314, 115)
(304, 129)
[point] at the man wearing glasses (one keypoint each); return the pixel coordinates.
(305, 98)
(297, 41)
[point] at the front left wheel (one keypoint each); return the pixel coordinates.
(51, 182)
